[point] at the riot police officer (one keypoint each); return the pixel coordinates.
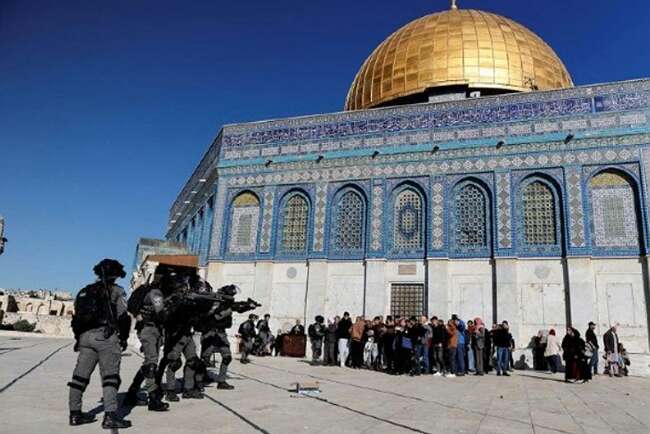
(101, 327)
(214, 338)
(247, 334)
(179, 341)
(146, 305)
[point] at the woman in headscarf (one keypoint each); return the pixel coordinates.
(573, 347)
(539, 346)
(552, 352)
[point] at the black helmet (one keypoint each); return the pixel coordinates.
(230, 290)
(320, 319)
(109, 268)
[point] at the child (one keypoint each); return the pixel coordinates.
(370, 351)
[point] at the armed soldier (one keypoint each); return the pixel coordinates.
(247, 334)
(213, 333)
(147, 306)
(179, 342)
(101, 327)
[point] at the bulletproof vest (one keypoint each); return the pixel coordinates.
(93, 309)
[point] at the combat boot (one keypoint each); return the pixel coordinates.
(111, 421)
(171, 396)
(155, 402)
(224, 386)
(81, 418)
(192, 394)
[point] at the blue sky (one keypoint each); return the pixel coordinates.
(105, 107)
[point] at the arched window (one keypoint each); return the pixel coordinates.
(244, 218)
(539, 214)
(613, 211)
(295, 220)
(349, 221)
(407, 221)
(470, 228)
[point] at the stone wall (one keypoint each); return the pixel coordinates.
(46, 324)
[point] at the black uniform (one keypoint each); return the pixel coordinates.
(214, 339)
(316, 335)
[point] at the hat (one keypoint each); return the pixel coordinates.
(592, 323)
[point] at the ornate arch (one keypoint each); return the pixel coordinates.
(348, 221)
(243, 223)
(614, 210)
(408, 218)
(294, 223)
(470, 225)
(539, 216)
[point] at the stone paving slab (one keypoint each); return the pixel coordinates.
(33, 397)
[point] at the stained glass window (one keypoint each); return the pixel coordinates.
(539, 214)
(470, 221)
(295, 220)
(243, 224)
(407, 221)
(349, 222)
(613, 211)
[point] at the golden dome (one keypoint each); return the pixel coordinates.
(463, 47)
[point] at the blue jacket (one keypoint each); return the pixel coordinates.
(460, 325)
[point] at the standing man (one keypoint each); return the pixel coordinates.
(146, 305)
(501, 340)
(247, 334)
(592, 342)
(460, 350)
(329, 358)
(343, 337)
(478, 343)
(610, 339)
(101, 327)
(316, 335)
(263, 334)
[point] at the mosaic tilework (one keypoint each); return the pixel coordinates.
(504, 210)
(267, 220)
(321, 212)
(299, 173)
(576, 210)
(645, 155)
(613, 211)
(437, 213)
(217, 229)
(377, 214)
(243, 229)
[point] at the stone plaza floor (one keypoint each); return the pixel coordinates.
(33, 398)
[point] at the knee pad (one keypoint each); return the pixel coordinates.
(194, 363)
(226, 359)
(175, 364)
(112, 380)
(148, 370)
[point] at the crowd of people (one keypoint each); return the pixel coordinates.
(454, 348)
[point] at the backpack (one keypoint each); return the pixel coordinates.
(90, 307)
(136, 300)
(311, 331)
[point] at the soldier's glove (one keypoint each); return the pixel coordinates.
(124, 344)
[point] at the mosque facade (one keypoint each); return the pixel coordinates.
(466, 175)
